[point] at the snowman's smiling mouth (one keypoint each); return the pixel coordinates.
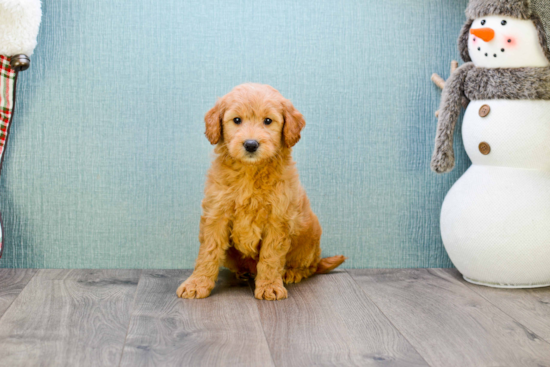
(487, 54)
(502, 50)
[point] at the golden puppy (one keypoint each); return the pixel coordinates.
(256, 215)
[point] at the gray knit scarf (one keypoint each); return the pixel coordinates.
(475, 83)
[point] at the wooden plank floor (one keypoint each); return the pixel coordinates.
(69, 318)
(414, 317)
(12, 282)
(448, 324)
(223, 329)
(328, 320)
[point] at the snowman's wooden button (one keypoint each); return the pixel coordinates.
(484, 111)
(484, 148)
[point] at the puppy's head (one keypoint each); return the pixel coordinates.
(255, 122)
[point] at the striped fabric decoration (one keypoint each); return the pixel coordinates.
(7, 84)
(7, 89)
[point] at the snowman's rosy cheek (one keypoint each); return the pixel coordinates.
(510, 42)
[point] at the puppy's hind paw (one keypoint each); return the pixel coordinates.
(271, 291)
(293, 276)
(195, 288)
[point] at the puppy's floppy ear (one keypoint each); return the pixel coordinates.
(213, 122)
(294, 123)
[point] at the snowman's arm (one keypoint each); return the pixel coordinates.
(439, 81)
(443, 159)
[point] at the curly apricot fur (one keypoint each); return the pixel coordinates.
(256, 218)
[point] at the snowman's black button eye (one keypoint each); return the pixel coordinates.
(509, 41)
(237, 120)
(483, 22)
(504, 22)
(267, 122)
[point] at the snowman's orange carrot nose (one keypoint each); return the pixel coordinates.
(486, 34)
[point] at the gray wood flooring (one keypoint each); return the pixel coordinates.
(413, 317)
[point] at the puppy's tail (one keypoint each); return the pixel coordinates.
(329, 263)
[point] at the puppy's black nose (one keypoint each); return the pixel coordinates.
(251, 145)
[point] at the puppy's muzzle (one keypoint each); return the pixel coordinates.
(251, 145)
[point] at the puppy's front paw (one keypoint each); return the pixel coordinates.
(195, 288)
(270, 291)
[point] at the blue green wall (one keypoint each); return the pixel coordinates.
(106, 162)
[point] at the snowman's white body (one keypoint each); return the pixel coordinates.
(495, 221)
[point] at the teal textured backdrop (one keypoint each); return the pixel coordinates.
(106, 162)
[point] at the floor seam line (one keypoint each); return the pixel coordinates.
(261, 324)
(130, 319)
(501, 310)
(12, 302)
(387, 317)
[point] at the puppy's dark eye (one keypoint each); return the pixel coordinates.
(237, 120)
(267, 122)
(483, 22)
(504, 22)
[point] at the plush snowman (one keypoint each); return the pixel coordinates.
(495, 220)
(19, 24)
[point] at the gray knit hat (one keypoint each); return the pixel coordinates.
(512, 8)
(542, 8)
(521, 9)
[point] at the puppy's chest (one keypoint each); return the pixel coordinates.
(249, 217)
